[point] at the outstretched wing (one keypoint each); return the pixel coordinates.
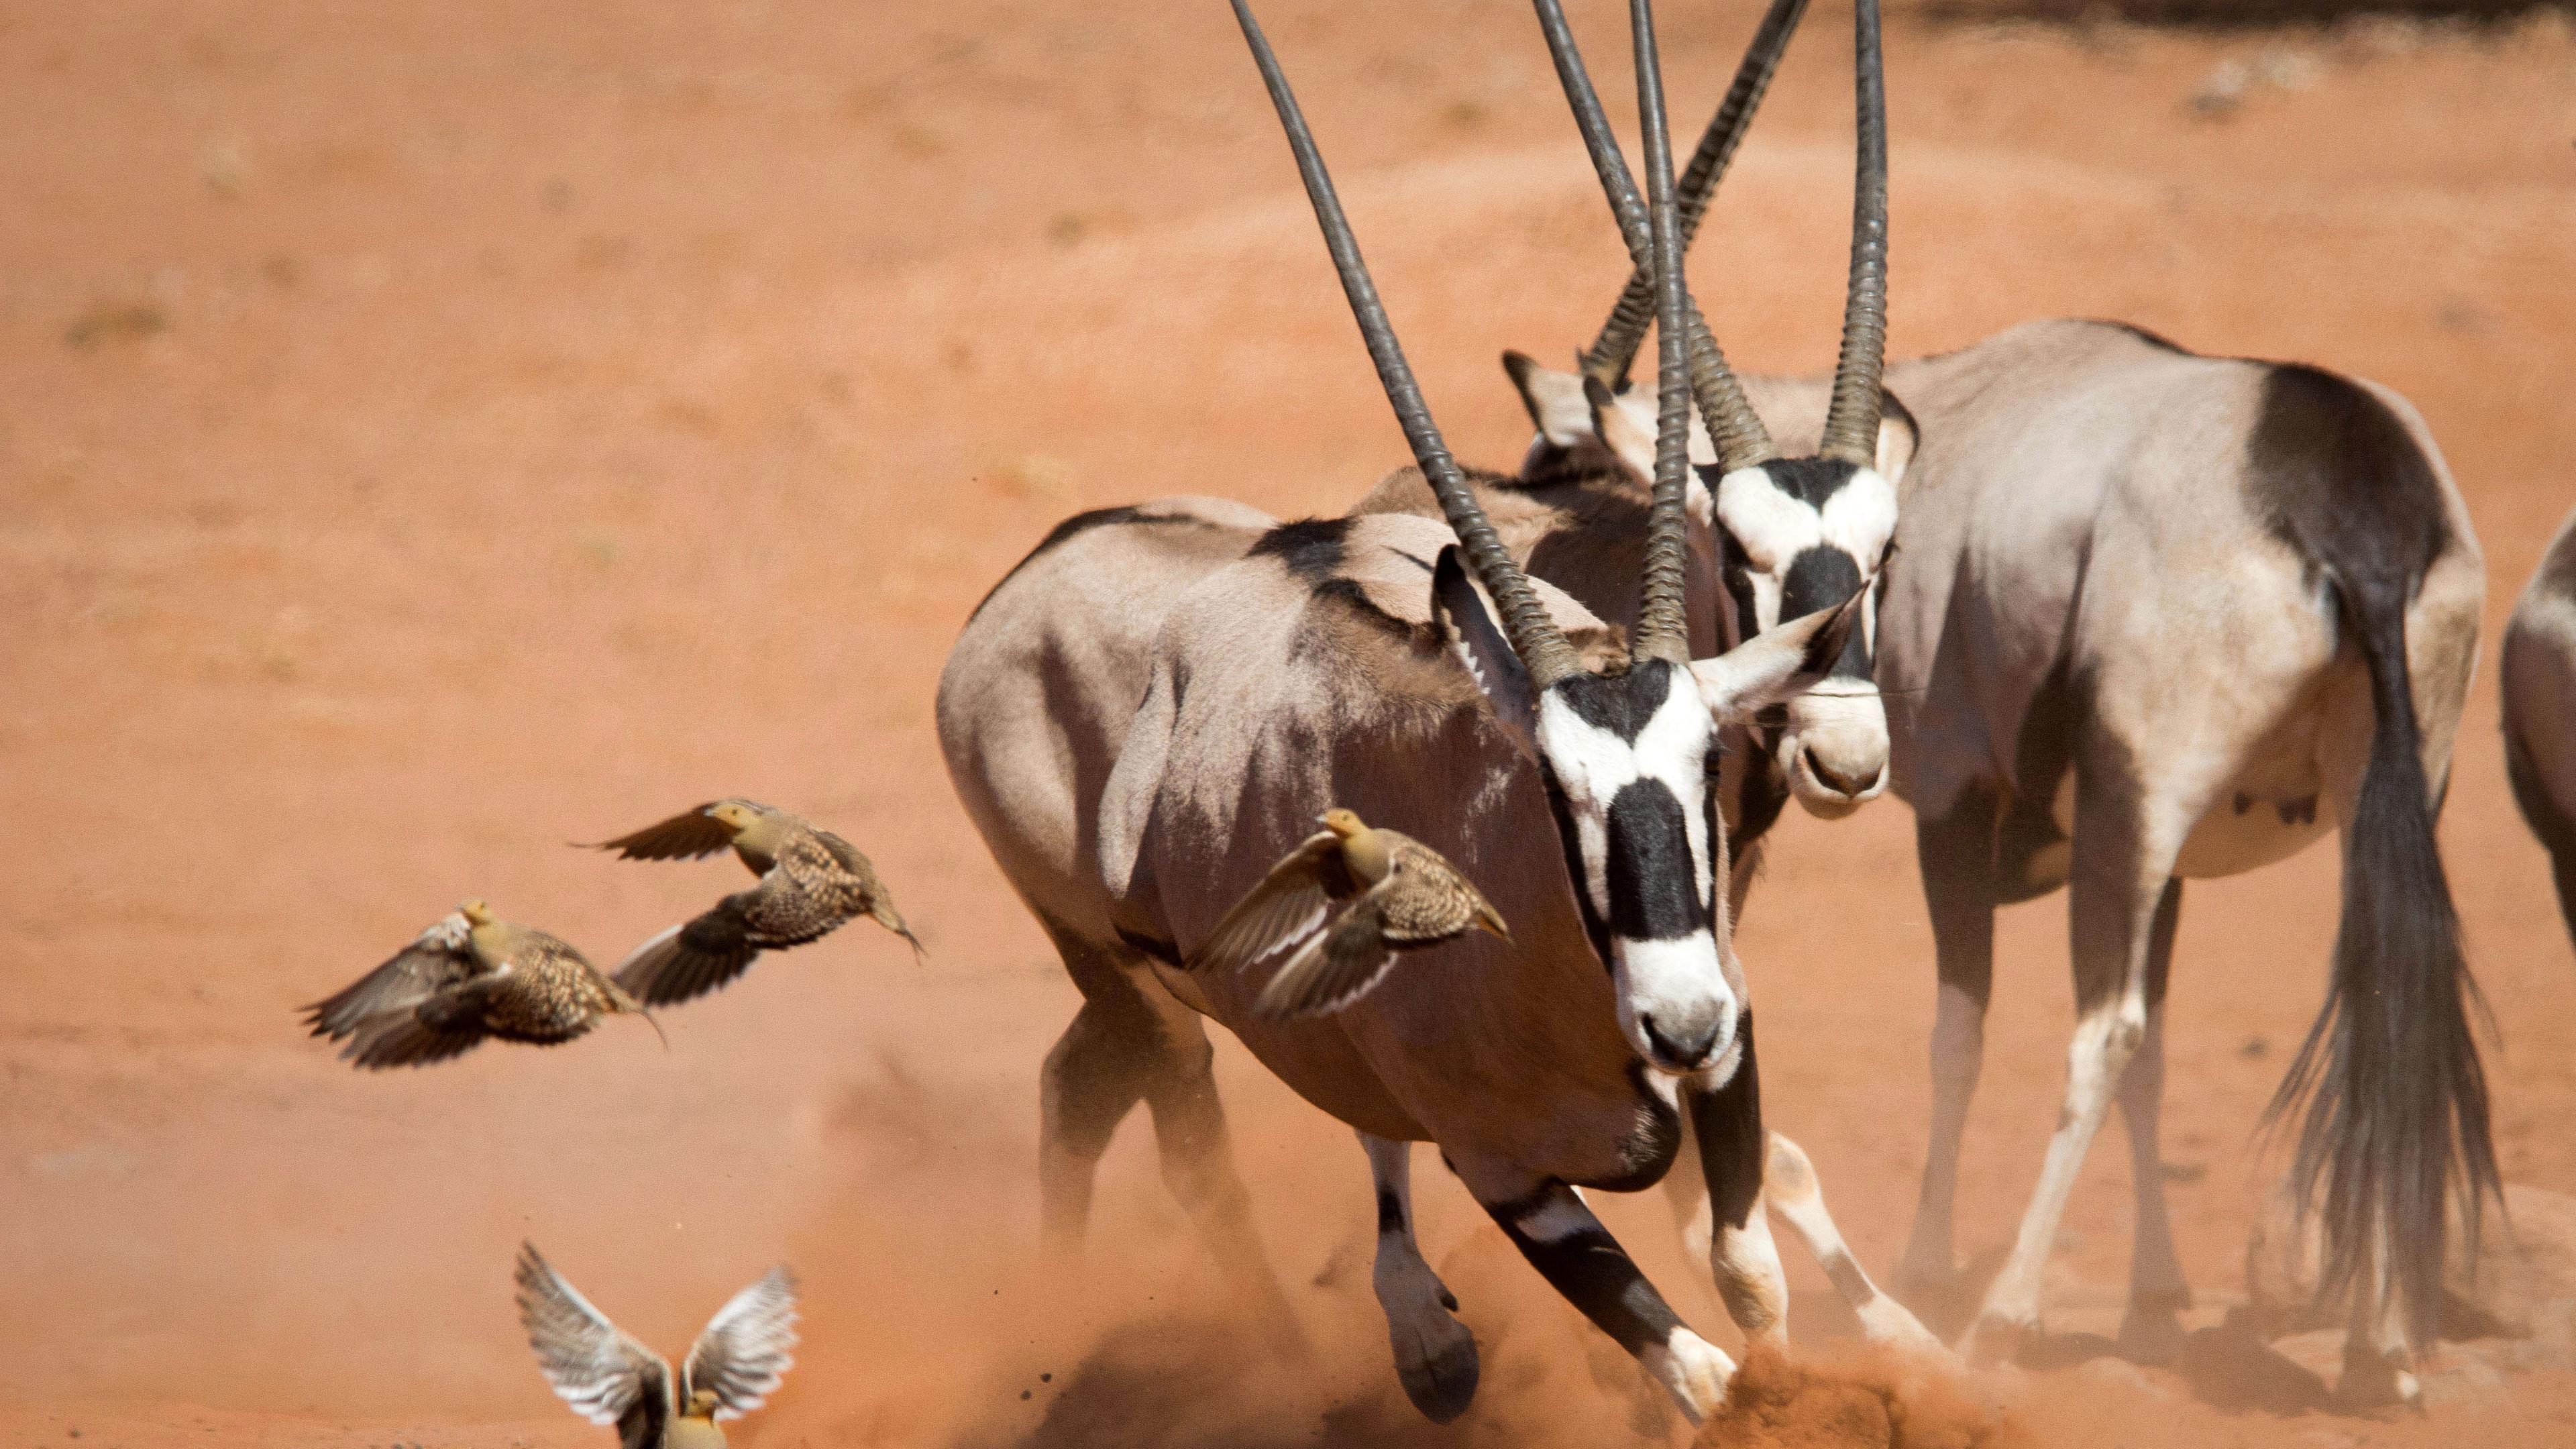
(1334, 968)
(603, 1374)
(682, 837)
(436, 958)
(692, 958)
(1286, 907)
(744, 1351)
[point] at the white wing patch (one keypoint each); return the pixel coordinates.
(743, 1353)
(593, 1366)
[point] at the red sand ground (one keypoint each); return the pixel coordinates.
(430, 435)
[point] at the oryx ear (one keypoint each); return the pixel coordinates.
(1633, 441)
(1466, 616)
(1897, 436)
(1554, 399)
(1778, 663)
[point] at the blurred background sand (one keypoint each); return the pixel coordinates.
(430, 434)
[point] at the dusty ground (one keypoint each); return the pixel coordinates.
(430, 435)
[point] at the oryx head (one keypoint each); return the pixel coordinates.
(1797, 535)
(1625, 752)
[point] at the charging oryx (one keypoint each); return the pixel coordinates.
(1818, 524)
(2539, 684)
(1415, 669)
(2153, 615)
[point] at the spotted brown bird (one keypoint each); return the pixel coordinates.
(469, 976)
(609, 1378)
(811, 883)
(1403, 896)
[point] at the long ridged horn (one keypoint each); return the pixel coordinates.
(1616, 348)
(1733, 427)
(1543, 648)
(1851, 422)
(1663, 620)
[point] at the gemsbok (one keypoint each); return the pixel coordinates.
(1818, 524)
(1413, 668)
(2151, 616)
(2539, 685)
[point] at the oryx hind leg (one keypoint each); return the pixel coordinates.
(2151, 1328)
(1956, 849)
(1549, 1222)
(1131, 1041)
(1435, 1355)
(2129, 829)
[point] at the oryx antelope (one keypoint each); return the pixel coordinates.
(1818, 525)
(1413, 667)
(2151, 616)
(2539, 685)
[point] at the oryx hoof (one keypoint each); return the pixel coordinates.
(1435, 1358)
(2373, 1380)
(1884, 1320)
(1996, 1339)
(2151, 1329)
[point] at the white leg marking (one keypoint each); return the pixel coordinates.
(1693, 1369)
(2104, 1041)
(1561, 1216)
(1746, 1263)
(1791, 1190)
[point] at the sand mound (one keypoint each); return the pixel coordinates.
(1875, 1402)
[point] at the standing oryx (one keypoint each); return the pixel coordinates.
(2155, 615)
(2539, 684)
(1416, 670)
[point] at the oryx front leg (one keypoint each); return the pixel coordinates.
(1726, 1127)
(1435, 1355)
(1574, 1252)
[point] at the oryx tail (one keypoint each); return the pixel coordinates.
(2394, 1098)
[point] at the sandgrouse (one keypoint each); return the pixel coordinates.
(469, 976)
(1403, 896)
(609, 1378)
(811, 883)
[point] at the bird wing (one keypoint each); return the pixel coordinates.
(1334, 968)
(802, 897)
(692, 958)
(446, 1025)
(1286, 907)
(685, 836)
(1425, 899)
(594, 1366)
(743, 1352)
(436, 958)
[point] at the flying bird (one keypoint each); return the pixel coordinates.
(609, 1378)
(471, 975)
(1402, 894)
(811, 883)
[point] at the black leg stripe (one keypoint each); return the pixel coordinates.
(1849, 1280)
(1595, 1275)
(1390, 1214)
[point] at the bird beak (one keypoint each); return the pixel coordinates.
(1493, 925)
(657, 1027)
